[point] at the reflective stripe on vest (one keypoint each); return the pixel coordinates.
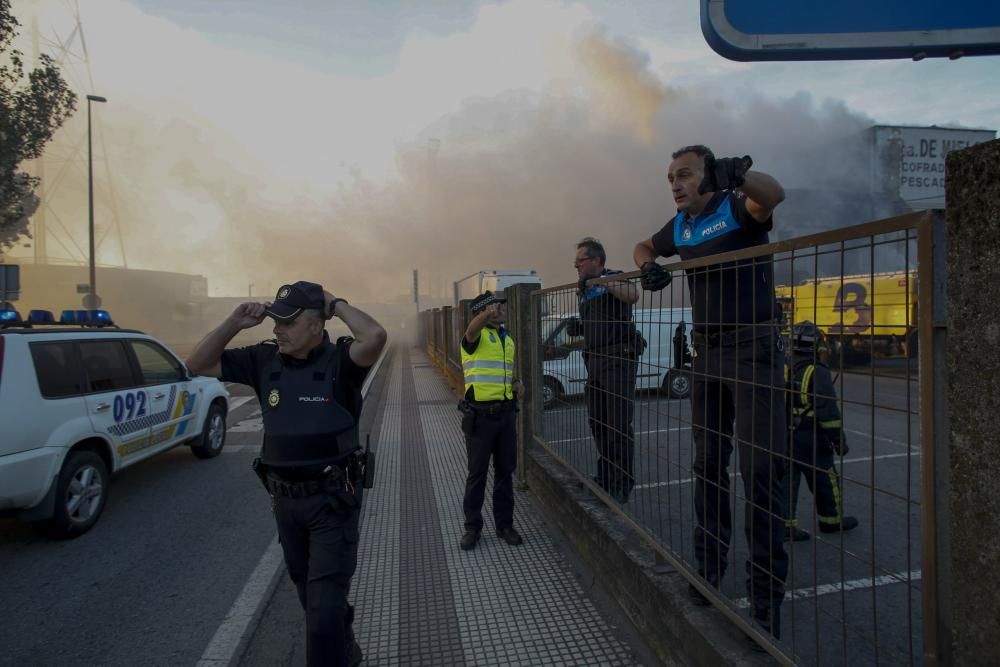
(489, 371)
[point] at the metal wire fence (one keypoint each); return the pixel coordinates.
(768, 489)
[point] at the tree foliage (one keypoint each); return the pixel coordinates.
(32, 107)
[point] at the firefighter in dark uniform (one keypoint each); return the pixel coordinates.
(310, 396)
(818, 434)
(488, 419)
(738, 364)
(612, 347)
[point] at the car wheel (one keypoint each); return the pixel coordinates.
(677, 383)
(213, 435)
(551, 391)
(81, 491)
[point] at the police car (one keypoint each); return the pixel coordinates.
(81, 399)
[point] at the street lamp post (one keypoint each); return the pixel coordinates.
(91, 300)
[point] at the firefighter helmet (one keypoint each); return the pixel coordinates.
(807, 337)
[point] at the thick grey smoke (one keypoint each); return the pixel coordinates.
(515, 181)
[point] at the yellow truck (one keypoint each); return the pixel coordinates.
(864, 316)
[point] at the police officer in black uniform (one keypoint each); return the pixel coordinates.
(310, 395)
(737, 370)
(817, 436)
(612, 347)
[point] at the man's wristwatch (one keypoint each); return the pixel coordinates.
(333, 305)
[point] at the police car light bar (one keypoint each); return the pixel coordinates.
(40, 317)
(86, 317)
(9, 315)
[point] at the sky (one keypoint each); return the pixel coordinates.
(350, 142)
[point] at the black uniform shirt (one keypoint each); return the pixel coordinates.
(729, 295)
(605, 319)
(245, 365)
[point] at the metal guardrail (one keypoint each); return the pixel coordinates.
(864, 596)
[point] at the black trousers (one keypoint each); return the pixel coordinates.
(321, 551)
(742, 383)
(815, 461)
(490, 436)
(610, 398)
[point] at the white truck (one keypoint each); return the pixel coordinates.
(493, 280)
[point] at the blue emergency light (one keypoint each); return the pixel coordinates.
(85, 317)
(40, 317)
(9, 315)
(100, 317)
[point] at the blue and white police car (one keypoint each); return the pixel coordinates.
(81, 399)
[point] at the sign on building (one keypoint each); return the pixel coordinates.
(910, 160)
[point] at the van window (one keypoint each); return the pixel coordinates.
(107, 365)
(157, 366)
(58, 369)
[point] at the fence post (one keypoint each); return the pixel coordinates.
(523, 318)
(968, 464)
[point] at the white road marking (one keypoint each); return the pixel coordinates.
(878, 437)
(859, 459)
(239, 401)
(852, 585)
(248, 426)
(662, 430)
(227, 638)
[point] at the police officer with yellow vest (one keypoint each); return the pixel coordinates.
(488, 418)
(818, 434)
(310, 395)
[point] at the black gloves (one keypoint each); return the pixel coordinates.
(654, 277)
(724, 174)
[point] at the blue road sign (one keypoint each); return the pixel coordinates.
(851, 29)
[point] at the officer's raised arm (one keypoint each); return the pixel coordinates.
(369, 335)
(207, 355)
(763, 193)
(476, 324)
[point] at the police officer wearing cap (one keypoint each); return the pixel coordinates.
(310, 394)
(817, 436)
(488, 418)
(612, 347)
(737, 367)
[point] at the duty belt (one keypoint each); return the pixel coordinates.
(302, 489)
(733, 336)
(491, 407)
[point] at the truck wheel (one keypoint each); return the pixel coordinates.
(677, 383)
(213, 435)
(81, 491)
(551, 391)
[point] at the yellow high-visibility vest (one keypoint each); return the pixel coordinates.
(489, 371)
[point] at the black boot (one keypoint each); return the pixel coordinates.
(469, 540)
(795, 534)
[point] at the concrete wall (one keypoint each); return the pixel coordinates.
(969, 551)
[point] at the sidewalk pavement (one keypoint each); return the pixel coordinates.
(420, 599)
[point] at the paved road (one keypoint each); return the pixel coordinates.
(860, 576)
(152, 581)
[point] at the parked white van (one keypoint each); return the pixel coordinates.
(565, 374)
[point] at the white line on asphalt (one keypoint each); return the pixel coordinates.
(239, 401)
(859, 459)
(853, 585)
(222, 648)
(662, 430)
(248, 426)
(878, 437)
